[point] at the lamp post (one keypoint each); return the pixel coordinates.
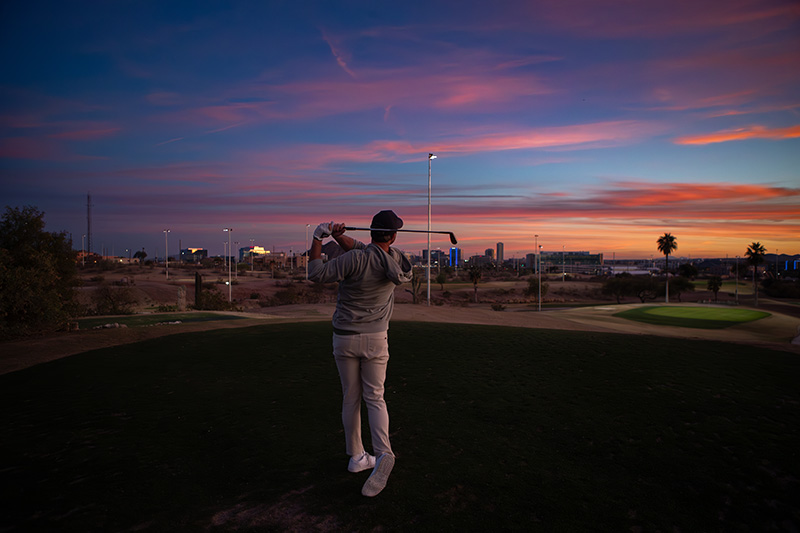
(252, 253)
(736, 291)
(537, 265)
(238, 251)
(307, 248)
(83, 251)
(428, 276)
(230, 289)
(166, 251)
(563, 266)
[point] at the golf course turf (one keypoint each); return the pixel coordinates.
(692, 317)
(494, 428)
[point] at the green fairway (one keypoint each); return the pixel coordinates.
(494, 428)
(692, 317)
(149, 320)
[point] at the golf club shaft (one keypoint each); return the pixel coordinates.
(452, 235)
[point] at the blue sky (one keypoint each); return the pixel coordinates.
(596, 125)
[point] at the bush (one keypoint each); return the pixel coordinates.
(110, 300)
(213, 300)
(498, 307)
(782, 289)
(38, 272)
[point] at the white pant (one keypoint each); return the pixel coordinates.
(361, 360)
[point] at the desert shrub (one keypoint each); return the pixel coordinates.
(782, 288)
(498, 307)
(211, 299)
(255, 295)
(110, 300)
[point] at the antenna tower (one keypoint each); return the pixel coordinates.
(89, 221)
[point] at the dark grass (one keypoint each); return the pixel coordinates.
(135, 321)
(692, 317)
(494, 429)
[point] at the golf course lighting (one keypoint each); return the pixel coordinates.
(230, 293)
(537, 261)
(307, 248)
(166, 251)
(428, 274)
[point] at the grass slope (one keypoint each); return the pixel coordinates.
(692, 317)
(494, 428)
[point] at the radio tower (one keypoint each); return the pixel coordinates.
(89, 222)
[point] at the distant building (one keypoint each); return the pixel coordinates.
(572, 262)
(500, 252)
(193, 255)
(455, 257)
(489, 253)
(251, 251)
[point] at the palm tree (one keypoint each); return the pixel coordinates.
(755, 256)
(714, 285)
(475, 276)
(666, 245)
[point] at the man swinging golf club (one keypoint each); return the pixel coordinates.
(367, 276)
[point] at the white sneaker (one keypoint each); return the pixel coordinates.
(361, 462)
(380, 475)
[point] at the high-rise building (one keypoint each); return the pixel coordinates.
(455, 257)
(499, 252)
(489, 253)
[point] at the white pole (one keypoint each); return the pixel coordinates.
(230, 287)
(166, 250)
(307, 248)
(430, 158)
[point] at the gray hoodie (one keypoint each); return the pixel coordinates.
(367, 277)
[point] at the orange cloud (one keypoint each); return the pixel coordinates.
(740, 134)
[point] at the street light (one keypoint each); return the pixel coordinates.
(540, 277)
(307, 248)
(736, 292)
(166, 250)
(230, 290)
(430, 157)
(83, 251)
(536, 263)
(236, 270)
(252, 253)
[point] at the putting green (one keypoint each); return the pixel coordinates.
(692, 317)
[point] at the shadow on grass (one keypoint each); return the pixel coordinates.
(494, 428)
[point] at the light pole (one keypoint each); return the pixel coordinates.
(428, 276)
(230, 287)
(166, 251)
(736, 291)
(307, 248)
(252, 253)
(236, 270)
(537, 265)
(83, 251)
(563, 267)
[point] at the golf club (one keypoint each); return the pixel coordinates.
(452, 235)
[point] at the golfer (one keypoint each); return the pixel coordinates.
(367, 276)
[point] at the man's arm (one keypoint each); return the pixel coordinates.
(337, 232)
(316, 250)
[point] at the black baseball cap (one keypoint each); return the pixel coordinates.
(386, 220)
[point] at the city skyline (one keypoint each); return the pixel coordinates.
(596, 126)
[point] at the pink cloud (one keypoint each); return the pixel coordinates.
(741, 134)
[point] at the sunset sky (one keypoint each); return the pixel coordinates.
(598, 125)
